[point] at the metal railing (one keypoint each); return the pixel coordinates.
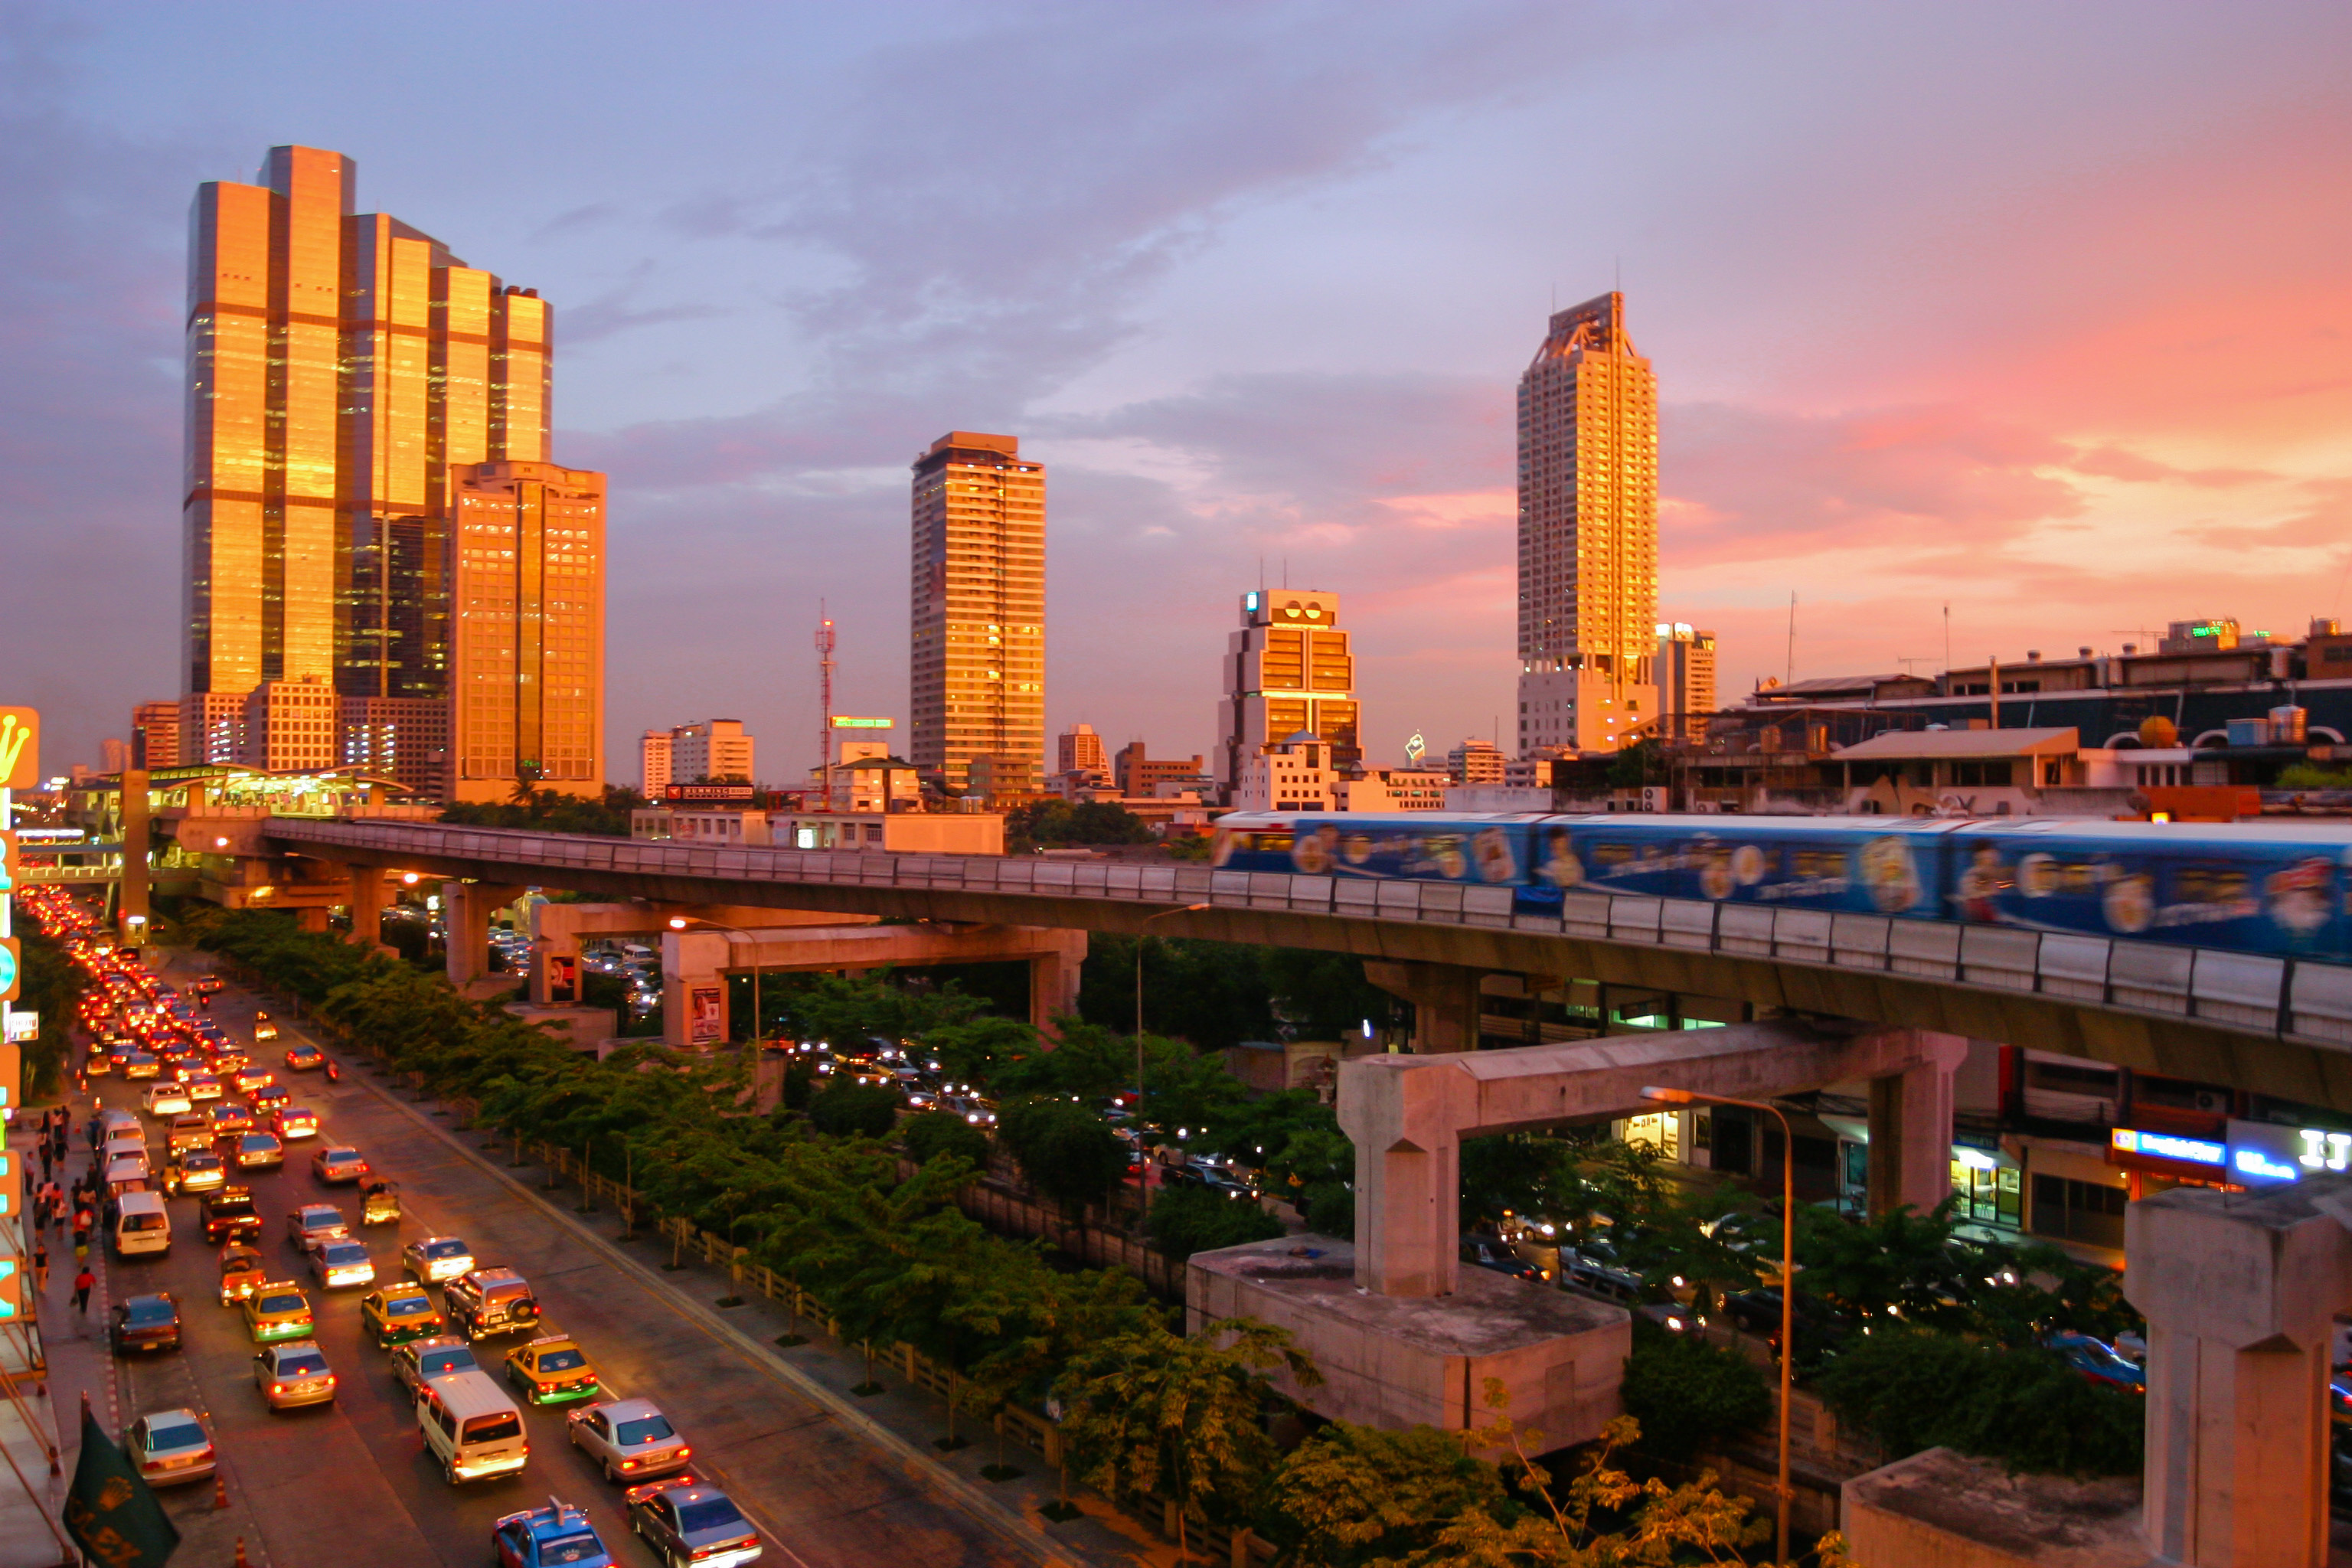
(2306, 1001)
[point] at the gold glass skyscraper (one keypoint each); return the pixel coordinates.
(1587, 535)
(979, 665)
(344, 370)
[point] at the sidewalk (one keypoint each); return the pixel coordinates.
(28, 1529)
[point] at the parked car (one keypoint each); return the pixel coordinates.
(1493, 1253)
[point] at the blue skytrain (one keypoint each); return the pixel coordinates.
(2284, 889)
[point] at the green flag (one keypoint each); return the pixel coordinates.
(111, 1513)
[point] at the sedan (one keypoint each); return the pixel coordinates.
(436, 1258)
(203, 1086)
(293, 1374)
(315, 1223)
(558, 1536)
(1490, 1252)
(337, 1167)
(229, 1117)
(691, 1526)
(140, 1063)
(197, 1171)
(629, 1437)
(431, 1356)
(278, 1311)
(252, 1080)
(145, 1323)
(398, 1313)
(292, 1121)
(2095, 1361)
(341, 1263)
(551, 1370)
(170, 1447)
(259, 1152)
(305, 1058)
(228, 1216)
(269, 1097)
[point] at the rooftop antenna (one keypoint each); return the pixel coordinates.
(1948, 637)
(1790, 678)
(825, 666)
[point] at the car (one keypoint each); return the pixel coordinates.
(228, 1116)
(165, 1097)
(396, 1314)
(259, 1152)
(293, 1373)
(148, 1322)
(1493, 1253)
(630, 1438)
(2097, 1361)
(100, 1063)
(556, 1536)
(278, 1311)
(189, 1130)
(691, 1525)
(195, 1171)
(433, 1259)
(486, 1302)
(207, 985)
(264, 1028)
(170, 1447)
(229, 1216)
(552, 1369)
(314, 1223)
(265, 1099)
(431, 1356)
(227, 1062)
(304, 1056)
(337, 1263)
(202, 1087)
(251, 1079)
(141, 1064)
(293, 1122)
(337, 1167)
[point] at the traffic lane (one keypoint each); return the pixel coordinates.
(825, 1493)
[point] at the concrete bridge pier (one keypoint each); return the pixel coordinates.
(1444, 998)
(366, 904)
(1911, 1128)
(465, 910)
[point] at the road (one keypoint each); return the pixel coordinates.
(349, 1483)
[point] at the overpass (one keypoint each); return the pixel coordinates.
(2279, 1025)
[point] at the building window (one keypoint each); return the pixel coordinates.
(2079, 1211)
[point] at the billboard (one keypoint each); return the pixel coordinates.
(707, 794)
(706, 1016)
(20, 747)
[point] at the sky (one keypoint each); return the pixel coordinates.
(2040, 313)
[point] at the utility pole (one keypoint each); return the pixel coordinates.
(825, 702)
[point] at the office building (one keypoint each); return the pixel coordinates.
(344, 370)
(528, 595)
(1684, 669)
(1287, 669)
(653, 772)
(212, 728)
(710, 750)
(291, 726)
(978, 664)
(404, 739)
(1081, 751)
(1139, 776)
(1587, 535)
(1476, 763)
(155, 735)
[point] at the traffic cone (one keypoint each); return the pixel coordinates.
(240, 1553)
(220, 1492)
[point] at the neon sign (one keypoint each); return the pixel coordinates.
(2166, 1146)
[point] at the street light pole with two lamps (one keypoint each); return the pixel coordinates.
(1788, 1275)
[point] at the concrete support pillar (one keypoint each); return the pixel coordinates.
(1054, 980)
(132, 910)
(694, 989)
(1408, 1173)
(555, 976)
(365, 902)
(465, 910)
(1444, 998)
(2240, 1293)
(1911, 1129)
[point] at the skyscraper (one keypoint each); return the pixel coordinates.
(342, 370)
(1288, 668)
(979, 665)
(1587, 535)
(1686, 671)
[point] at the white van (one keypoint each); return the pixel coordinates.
(127, 1172)
(141, 1224)
(472, 1427)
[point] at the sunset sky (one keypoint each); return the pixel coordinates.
(2041, 311)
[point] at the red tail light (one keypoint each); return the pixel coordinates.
(684, 1452)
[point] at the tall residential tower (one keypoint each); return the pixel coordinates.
(1587, 535)
(979, 666)
(1288, 668)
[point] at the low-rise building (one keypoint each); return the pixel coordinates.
(1476, 763)
(1296, 774)
(1393, 789)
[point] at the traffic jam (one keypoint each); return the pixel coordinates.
(179, 1146)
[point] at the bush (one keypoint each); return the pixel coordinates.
(800, 1083)
(1330, 1210)
(1689, 1394)
(1068, 1152)
(845, 1108)
(1190, 1219)
(931, 1133)
(2025, 1408)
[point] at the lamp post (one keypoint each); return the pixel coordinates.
(1788, 1272)
(679, 922)
(1143, 1187)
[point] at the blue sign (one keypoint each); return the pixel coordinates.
(2167, 1146)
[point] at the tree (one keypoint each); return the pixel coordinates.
(1687, 1394)
(1060, 822)
(1187, 1220)
(1353, 1494)
(933, 1134)
(1068, 1152)
(847, 1109)
(1913, 1389)
(1155, 1413)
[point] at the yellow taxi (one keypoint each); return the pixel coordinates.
(399, 1313)
(278, 1311)
(551, 1370)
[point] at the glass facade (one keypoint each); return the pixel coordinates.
(979, 665)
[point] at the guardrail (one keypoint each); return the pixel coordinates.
(2303, 1000)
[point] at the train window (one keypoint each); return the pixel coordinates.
(1279, 842)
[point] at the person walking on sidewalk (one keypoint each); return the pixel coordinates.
(41, 1268)
(84, 1283)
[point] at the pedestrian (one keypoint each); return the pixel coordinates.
(84, 1283)
(41, 1268)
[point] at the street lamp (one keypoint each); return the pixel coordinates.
(679, 922)
(1788, 1270)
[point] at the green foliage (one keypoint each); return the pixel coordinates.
(1323, 996)
(847, 1109)
(851, 1011)
(548, 811)
(931, 1134)
(1068, 1152)
(1353, 1496)
(1911, 1389)
(50, 983)
(800, 1083)
(1219, 993)
(1054, 822)
(2312, 776)
(1186, 1220)
(1689, 1394)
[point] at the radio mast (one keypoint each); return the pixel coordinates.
(825, 702)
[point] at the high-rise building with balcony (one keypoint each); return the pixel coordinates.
(1587, 535)
(978, 664)
(1686, 673)
(1287, 669)
(343, 371)
(1081, 751)
(710, 750)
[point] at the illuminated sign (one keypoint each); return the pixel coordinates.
(840, 723)
(708, 794)
(23, 1029)
(2167, 1146)
(2267, 1154)
(11, 958)
(20, 747)
(2257, 1166)
(1252, 600)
